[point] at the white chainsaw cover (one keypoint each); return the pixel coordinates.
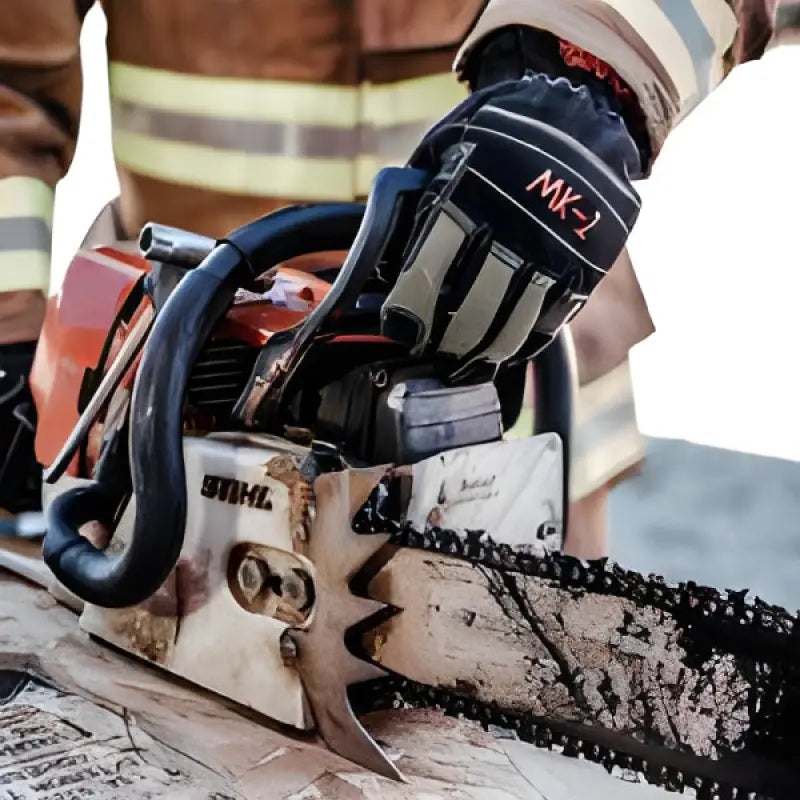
(193, 626)
(513, 490)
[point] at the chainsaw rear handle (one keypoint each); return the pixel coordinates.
(156, 418)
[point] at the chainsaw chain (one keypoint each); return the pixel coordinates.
(742, 623)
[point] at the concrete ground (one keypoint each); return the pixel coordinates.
(722, 518)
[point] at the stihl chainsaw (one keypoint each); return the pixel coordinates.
(253, 486)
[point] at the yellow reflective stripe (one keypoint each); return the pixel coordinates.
(721, 26)
(26, 219)
(26, 197)
(413, 100)
(649, 20)
(240, 98)
(24, 269)
(233, 171)
(424, 99)
(366, 167)
(589, 471)
(605, 394)
(707, 29)
(280, 138)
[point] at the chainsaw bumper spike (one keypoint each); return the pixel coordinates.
(325, 664)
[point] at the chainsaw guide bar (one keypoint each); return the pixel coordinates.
(679, 686)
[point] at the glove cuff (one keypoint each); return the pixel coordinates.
(510, 52)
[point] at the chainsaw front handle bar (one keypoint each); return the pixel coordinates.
(174, 246)
(157, 473)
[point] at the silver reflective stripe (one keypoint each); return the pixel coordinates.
(520, 322)
(393, 142)
(702, 48)
(24, 233)
(244, 135)
(417, 289)
(472, 320)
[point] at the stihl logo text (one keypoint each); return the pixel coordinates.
(563, 200)
(236, 492)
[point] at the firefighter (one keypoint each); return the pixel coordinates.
(223, 111)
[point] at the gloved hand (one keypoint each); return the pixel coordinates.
(531, 205)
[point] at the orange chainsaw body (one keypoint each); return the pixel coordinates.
(79, 317)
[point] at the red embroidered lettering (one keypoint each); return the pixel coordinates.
(581, 232)
(548, 188)
(568, 197)
(561, 196)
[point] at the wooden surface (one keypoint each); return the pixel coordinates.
(104, 726)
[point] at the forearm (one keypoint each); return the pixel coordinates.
(670, 55)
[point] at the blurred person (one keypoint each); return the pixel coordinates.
(608, 447)
(223, 111)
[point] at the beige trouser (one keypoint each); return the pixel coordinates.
(606, 442)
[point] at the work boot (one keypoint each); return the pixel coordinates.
(20, 474)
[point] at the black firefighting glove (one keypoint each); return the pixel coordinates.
(531, 205)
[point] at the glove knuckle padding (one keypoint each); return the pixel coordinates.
(535, 209)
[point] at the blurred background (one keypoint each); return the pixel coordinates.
(716, 389)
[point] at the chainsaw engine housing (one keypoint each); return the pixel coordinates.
(223, 434)
(397, 413)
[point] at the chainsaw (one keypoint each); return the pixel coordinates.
(254, 488)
